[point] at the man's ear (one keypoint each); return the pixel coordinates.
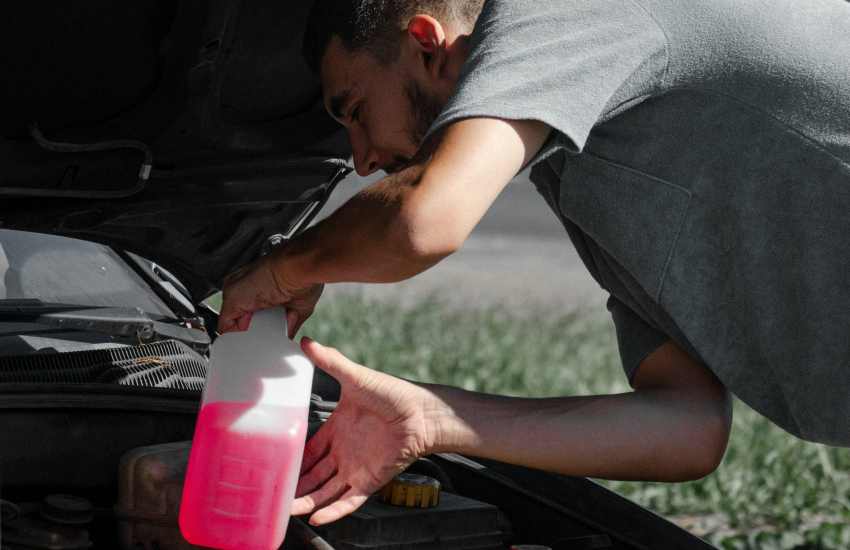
(430, 38)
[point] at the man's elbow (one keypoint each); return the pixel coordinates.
(433, 246)
(430, 239)
(705, 446)
(695, 413)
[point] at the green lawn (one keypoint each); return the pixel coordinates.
(772, 490)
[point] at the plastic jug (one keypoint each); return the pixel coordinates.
(249, 439)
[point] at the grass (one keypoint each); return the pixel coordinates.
(772, 490)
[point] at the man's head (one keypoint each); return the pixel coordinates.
(388, 67)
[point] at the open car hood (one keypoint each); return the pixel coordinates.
(190, 132)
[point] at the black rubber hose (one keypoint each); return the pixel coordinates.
(60, 147)
(307, 536)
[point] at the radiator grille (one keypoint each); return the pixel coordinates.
(168, 364)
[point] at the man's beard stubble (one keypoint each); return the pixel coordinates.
(424, 109)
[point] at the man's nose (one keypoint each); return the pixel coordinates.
(366, 160)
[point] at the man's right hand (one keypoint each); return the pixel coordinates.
(262, 285)
(379, 428)
(673, 427)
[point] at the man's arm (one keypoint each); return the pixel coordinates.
(409, 221)
(673, 427)
(394, 230)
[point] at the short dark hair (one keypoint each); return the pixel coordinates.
(373, 25)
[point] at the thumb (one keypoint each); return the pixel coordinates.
(292, 323)
(233, 320)
(332, 362)
(233, 315)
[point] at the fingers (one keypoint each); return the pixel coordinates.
(350, 501)
(232, 317)
(231, 308)
(316, 448)
(244, 321)
(331, 361)
(330, 491)
(226, 317)
(302, 307)
(317, 475)
(225, 325)
(228, 322)
(292, 323)
(299, 320)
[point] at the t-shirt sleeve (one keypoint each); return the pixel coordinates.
(635, 338)
(570, 64)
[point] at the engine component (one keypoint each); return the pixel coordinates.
(67, 510)
(168, 364)
(113, 145)
(8, 511)
(149, 492)
(305, 537)
(456, 523)
(23, 529)
(412, 491)
(150, 487)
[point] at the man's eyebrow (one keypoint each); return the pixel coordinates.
(338, 102)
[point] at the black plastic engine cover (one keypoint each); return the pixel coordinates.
(457, 523)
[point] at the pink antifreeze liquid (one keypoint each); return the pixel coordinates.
(241, 480)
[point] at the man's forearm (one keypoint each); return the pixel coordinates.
(366, 240)
(659, 435)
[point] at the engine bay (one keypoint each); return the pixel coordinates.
(94, 447)
(150, 482)
(133, 503)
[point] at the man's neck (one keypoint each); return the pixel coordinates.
(457, 50)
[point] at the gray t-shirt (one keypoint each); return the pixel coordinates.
(701, 166)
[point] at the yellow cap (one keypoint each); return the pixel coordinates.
(412, 491)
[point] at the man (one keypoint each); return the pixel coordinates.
(698, 154)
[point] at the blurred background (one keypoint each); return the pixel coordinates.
(515, 312)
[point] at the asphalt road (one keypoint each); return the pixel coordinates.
(518, 256)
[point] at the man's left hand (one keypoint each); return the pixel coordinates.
(263, 285)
